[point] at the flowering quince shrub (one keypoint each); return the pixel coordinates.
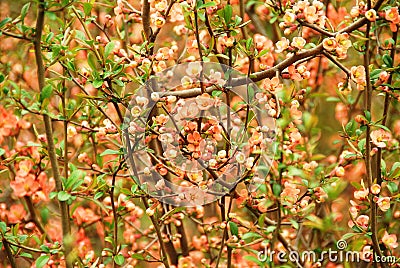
(170, 133)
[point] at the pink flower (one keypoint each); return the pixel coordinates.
(358, 75)
(290, 193)
(362, 221)
(329, 44)
(311, 14)
(194, 68)
(282, 45)
(320, 194)
(188, 111)
(383, 203)
(380, 137)
(390, 240)
(375, 189)
(361, 194)
(272, 85)
(371, 15)
(298, 42)
(204, 101)
(24, 167)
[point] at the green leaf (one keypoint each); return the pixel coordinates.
(367, 115)
(348, 235)
(5, 21)
(91, 60)
(138, 256)
(108, 49)
(24, 10)
(234, 228)
(98, 195)
(333, 99)
(2, 151)
(26, 255)
(97, 83)
(42, 261)
(87, 8)
(63, 196)
(3, 226)
(205, 5)
(119, 259)
(226, 13)
(276, 189)
(251, 235)
(388, 60)
(46, 92)
(392, 186)
(110, 151)
(216, 93)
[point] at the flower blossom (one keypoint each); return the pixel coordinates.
(380, 137)
(390, 240)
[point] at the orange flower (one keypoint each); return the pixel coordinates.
(84, 215)
(194, 140)
(16, 214)
(24, 186)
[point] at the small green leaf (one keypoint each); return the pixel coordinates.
(234, 228)
(110, 151)
(97, 83)
(388, 60)
(98, 195)
(216, 93)
(46, 92)
(3, 226)
(91, 60)
(87, 8)
(26, 255)
(5, 21)
(119, 259)
(2, 151)
(108, 49)
(392, 186)
(205, 5)
(138, 256)
(251, 235)
(24, 11)
(42, 261)
(63, 196)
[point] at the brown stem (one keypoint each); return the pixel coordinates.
(146, 19)
(159, 235)
(368, 158)
(49, 134)
(35, 218)
(9, 253)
